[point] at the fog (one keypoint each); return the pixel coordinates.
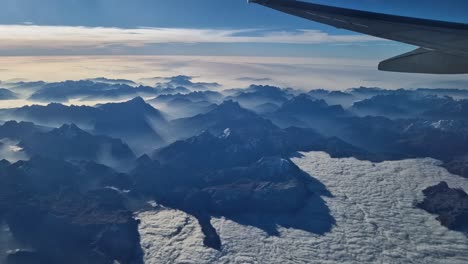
(7, 242)
(11, 152)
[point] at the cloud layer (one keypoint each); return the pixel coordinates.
(230, 71)
(373, 204)
(35, 36)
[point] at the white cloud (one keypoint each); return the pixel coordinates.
(376, 222)
(11, 152)
(35, 36)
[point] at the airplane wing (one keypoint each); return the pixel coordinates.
(443, 46)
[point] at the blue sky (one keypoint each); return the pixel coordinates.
(201, 14)
(235, 39)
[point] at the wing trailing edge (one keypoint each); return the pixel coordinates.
(423, 60)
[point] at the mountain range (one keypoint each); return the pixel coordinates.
(211, 153)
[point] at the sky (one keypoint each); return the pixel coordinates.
(63, 28)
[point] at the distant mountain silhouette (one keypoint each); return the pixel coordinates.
(182, 108)
(134, 121)
(20, 130)
(89, 90)
(55, 114)
(173, 90)
(397, 139)
(25, 86)
(113, 81)
(266, 108)
(257, 94)
(198, 96)
(449, 110)
(227, 111)
(367, 92)
(183, 81)
(303, 110)
(6, 94)
(400, 104)
(305, 105)
(455, 93)
(333, 97)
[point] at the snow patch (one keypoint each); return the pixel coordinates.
(226, 133)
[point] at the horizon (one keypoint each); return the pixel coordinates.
(208, 29)
(229, 71)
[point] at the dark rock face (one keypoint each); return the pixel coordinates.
(451, 206)
(70, 142)
(19, 130)
(66, 214)
(84, 227)
(458, 166)
(271, 185)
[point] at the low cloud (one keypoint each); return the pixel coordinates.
(11, 152)
(253, 79)
(229, 71)
(36, 36)
(373, 204)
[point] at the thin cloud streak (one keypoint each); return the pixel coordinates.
(35, 36)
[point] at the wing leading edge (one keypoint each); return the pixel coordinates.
(444, 45)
